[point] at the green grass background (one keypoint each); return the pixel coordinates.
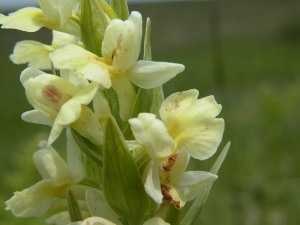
(256, 79)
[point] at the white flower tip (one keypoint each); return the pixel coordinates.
(135, 14)
(29, 73)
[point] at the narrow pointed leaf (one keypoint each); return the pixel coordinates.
(192, 215)
(74, 210)
(147, 43)
(122, 184)
(93, 25)
(93, 151)
(121, 9)
(142, 103)
(158, 98)
(112, 98)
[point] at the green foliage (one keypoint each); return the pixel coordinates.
(121, 8)
(74, 209)
(122, 184)
(93, 25)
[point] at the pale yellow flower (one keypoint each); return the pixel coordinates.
(58, 176)
(59, 103)
(188, 127)
(118, 66)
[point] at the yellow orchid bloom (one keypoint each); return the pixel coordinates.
(59, 103)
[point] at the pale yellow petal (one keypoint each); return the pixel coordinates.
(101, 107)
(76, 114)
(151, 134)
(174, 195)
(50, 9)
(82, 63)
(51, 166)
(34, 201)
(41, 89)
(27, 19)
(192, 123)
(193, 182)
(122, 41)
(126, 95)
(32, 52)
(149, 74)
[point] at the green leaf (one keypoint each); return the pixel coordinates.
(112, 98)
(93, 26)
(193, 214)
(157, 93)
(147, 43)
(74, 210)
(158, 98)
(122, 184)
(142, 103)
(93, 151)
(141, 158)
(93, 172)
(121, 9)
(173, 215)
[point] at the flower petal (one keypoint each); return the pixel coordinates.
(29, 73)
(61, 38)
(28, 19)
(179, 167)
(46, 92)
(101, 107)
(34, 201)
(149, 74)
(122, 41)
(192, 123)
(193, 182)
(51, 165)
(151, 134)
(79, 82)
(35, 116)
(174, 195)
(126, 95)
(74, 159)
(82, 63)
(50, 9)
(75, 113)
(32, 52)
(152, 182)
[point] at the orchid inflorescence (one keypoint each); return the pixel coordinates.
(128, 148)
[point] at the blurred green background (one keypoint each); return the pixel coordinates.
(246, 54)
